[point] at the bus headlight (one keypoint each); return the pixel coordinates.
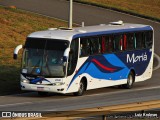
(58, 83)
(25, 81)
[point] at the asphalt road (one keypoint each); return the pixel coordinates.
(63, 103)
(148, 90)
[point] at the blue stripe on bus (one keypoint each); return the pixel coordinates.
(109, 70)
(34, 81)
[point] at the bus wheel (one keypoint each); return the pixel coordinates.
(81, 89)
(130, 81)
(42, 93)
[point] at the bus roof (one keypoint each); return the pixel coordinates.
(68, 34)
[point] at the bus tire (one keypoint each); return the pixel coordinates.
(40, 93)
(82, 88)
(130, 81)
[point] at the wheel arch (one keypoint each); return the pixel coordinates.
(84, 80)
(82, 87)
(132, 71)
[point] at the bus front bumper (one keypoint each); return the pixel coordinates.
(43, 88)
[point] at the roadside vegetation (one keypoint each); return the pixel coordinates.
(15, 25)
(142, 7)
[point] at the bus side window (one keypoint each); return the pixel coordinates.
(135, 40)
(110, 44)
(124, 42)
(148, 39)
(130, 41)
(95, 45)
(84, 47)
(107, 44)
(73, 56)
(103, 44)
(118, 43)
(139, 40)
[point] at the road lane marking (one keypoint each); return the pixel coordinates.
(123, 91)
(15, 104)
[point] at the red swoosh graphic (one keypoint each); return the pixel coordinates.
(102, 66)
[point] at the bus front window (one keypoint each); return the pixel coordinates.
(45, 58)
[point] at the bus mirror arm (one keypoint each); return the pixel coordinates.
(16, 50)
(66, 54)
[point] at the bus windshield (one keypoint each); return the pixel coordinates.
(44, 57)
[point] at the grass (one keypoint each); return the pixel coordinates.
(15, 25)
(142, 7)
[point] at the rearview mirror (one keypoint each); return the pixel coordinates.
(16, 50)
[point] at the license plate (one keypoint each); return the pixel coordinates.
(40, 88)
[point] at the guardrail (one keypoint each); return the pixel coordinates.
(98, 111)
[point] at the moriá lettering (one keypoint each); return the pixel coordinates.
(133, 58)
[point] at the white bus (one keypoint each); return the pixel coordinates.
(84, 58)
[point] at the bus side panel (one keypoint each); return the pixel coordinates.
(113, 69)
(141, 61)
(148, 72)
(72, 85)
(101, 71)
